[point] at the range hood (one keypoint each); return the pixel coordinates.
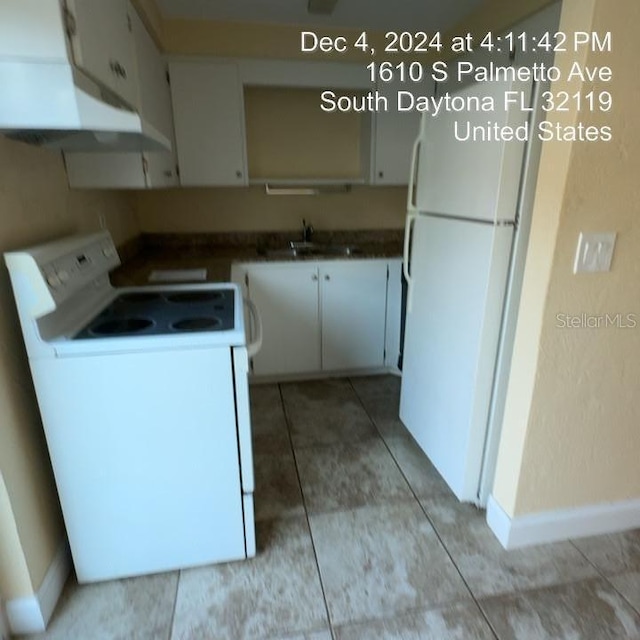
(54, 105)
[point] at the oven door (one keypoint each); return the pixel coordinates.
(243, 416)
(144, 448)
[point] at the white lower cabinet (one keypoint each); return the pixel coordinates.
(318, 316)
(287, 298)
(353, 303)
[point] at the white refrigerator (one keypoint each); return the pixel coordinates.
(460, 238)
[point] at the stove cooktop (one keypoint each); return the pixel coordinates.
(145, 313)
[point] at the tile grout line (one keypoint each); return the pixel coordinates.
(306, 511)
(424, 511)
(466, 584)
(606, 577)
(426, 515)
(415, 499)
(175, 605)
(410, 611)
(544, 587)
(476, 600)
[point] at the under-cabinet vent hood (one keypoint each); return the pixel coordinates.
(52, 104)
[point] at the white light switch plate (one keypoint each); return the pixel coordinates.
(595, 252)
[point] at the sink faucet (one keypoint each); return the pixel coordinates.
(307, 231)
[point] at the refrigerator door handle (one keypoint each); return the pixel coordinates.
(415, 159)
(406, 267)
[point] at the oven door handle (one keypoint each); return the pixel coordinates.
(256, 344)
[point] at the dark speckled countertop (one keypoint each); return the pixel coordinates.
(217, 252)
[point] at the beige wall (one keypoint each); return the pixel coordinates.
(35, 205)
(250, 209)
(571, 434)
(245, 39)
(495, 15)
(14, 573)
(289, 137)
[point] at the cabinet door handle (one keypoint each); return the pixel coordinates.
(238, 174)
(380, 174)
(327, 277)
(314, 277)
(168, 174)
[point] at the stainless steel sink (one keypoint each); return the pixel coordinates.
(304, 246)
(307, 249)
(342, 249)
(286, 253)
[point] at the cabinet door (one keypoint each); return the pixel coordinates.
(286, 296)
(103, 46)
(209, 123)
(353, 303)
(395, 132)
(155, 106)
(91, 170)
(135, 170)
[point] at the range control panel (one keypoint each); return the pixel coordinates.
(47, 275)
(75, 269)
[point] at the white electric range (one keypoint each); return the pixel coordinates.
(144, 400)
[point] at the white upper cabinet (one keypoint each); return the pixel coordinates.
(394, 133)
(155, 95)
(135, 170)
(155, 106)
(209, 123)
(102, 44)
(91, 170)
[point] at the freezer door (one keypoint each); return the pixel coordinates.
(459, 274)
(476, 179)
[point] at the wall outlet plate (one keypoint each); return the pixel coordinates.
(595, 252)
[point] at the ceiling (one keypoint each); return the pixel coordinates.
(384, 15)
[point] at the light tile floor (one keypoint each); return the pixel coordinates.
(360, 539)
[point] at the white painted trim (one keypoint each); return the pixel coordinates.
(498, 521)
(54, 581)
(563, 524)
(25, 615)
(31, 614)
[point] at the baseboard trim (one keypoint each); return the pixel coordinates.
(564, 524)
(31, 614)
(321, 375)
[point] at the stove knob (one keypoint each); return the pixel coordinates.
(63, 276)
(53, 280)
